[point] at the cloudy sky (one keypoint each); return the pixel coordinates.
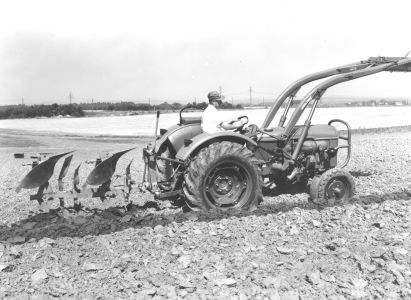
(180, 50)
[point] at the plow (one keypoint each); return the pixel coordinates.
(228, 169)
(102, 182)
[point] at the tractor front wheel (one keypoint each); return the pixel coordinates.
(333, 187)
(223, 175)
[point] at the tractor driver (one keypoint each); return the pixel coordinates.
(211, 121)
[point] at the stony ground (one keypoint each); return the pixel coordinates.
(287, 249)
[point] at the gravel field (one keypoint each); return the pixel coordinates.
(286, 249)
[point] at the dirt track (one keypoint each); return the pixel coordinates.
(287, 249)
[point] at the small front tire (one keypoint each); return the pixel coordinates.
(333, 187)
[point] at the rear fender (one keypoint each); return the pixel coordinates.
(203, 140)
(175, 136)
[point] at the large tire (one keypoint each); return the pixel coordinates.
(333, 187)
(223, 175)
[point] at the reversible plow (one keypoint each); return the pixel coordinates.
(102, 182)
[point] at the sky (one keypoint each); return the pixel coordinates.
(180, 50)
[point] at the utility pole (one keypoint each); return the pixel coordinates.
(71, 96)
(22, 101)
(232, 100)
(263, 101)
(251, 95)
(220, 89)
(149, 101)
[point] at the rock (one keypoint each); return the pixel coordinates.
(44, 242)
(400, 251)
(175, 251)
(379, 225)
(3, 267)
(314, 278)
(316, 223)
(301, 253)
(16, 239)
(192, 216)
(150, 292)
(378, 252)
(39, 276)
(88, 266)
(269, 282)
(290, 295)
(226, 281)
(396, 270)
(285, 250)
(359, 283)
(126, 218)
(184, 261)
(294, 230)
(15, 252)
(171, 293)
(197, 231)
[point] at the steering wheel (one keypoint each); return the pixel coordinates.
(240, 128)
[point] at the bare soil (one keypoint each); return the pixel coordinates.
(287, 249)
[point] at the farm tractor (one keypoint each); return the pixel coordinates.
(229, 169)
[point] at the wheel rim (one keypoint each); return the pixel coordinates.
(337, 189)
(228, 184)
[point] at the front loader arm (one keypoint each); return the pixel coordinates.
(399, 64)
(292, 89)
(378, 64)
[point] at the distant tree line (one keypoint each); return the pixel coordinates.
(223, 105)
(131, 106)
(123, 106)
(35, 111)
(77, 110)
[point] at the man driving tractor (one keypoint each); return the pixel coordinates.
(211, 120)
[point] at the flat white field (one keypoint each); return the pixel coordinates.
(143, 125)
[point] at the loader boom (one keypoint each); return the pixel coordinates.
(344, 73)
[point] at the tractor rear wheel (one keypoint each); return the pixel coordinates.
(223, 175)
(333, 187)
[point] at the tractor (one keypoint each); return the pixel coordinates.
(229, 169)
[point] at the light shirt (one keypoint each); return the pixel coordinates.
(210, 121)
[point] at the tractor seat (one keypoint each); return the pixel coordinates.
(190, 120)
